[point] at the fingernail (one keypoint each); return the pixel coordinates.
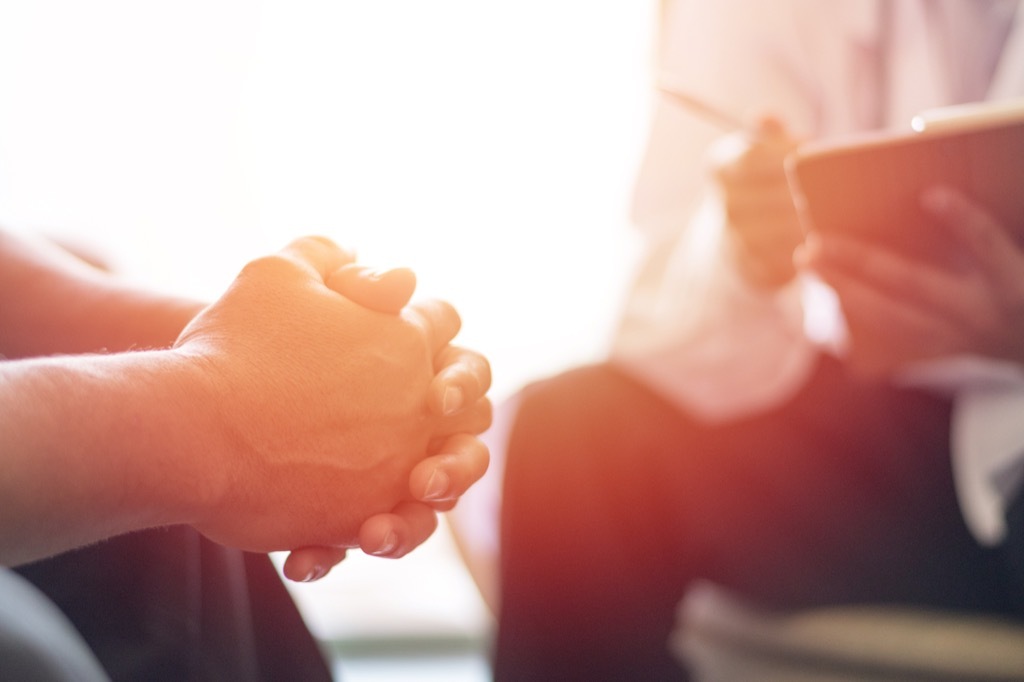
(437, 486)
(388, 546)
(315, 574)
(452, 401)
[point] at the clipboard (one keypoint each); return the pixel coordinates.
(869, 185)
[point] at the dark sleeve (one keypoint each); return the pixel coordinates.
(168, 604)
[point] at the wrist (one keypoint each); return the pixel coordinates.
(157, 436)
(195, 450)
(101, 445)
(161, 435)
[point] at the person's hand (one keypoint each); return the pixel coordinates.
(762, 222)
(900, 310)
(462, 380)
(321, 404)
(462, 460)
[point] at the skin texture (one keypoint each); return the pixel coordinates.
(285, 415)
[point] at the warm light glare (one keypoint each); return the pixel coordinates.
(488, 145)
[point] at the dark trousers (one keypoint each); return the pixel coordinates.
(169, 605)
(614, 502)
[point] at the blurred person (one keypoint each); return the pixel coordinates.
(155, 449)
(743, 431)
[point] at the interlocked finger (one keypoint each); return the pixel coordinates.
(438, 319)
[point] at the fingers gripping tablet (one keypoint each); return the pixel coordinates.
(870, 186)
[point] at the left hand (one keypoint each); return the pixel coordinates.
(900, 310)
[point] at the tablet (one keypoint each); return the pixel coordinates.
(870, 185)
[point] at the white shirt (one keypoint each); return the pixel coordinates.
(693, 330)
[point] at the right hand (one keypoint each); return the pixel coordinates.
(763, 227)
(902, 311)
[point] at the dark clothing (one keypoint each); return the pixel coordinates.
(169, 605)
(614, 502)
(37, 643)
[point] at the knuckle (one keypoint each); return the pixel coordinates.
(439, 317)
(315, 241)
(482, 415)
(273, 265)
(447, 310)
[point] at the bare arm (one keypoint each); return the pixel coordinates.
(54, 302)
(284, 417)
(91, 449)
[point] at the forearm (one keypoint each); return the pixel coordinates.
(52, 302)
(95, 446)
(284, 416)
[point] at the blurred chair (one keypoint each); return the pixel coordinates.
(722, 639)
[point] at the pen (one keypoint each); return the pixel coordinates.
(710, 113)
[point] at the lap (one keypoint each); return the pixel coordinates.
(843, 494)
(167, 604)
(614, 502)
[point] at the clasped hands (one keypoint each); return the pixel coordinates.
(345, 417)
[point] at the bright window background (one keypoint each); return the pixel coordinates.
(489, 145)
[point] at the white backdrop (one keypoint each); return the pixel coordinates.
(489, 145)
